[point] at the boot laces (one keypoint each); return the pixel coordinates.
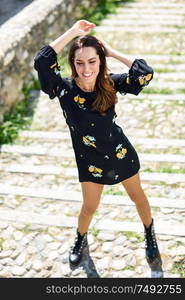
(78, 244)
(150, 241)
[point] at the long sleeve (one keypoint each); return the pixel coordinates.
(46, 64)
(139, 75)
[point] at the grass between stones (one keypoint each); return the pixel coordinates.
(20, 116)
(162, 91)
(112, 191)
(162, 168)
(178, 266)
(1, 243)
(94, 231)
(131, 234)
(165, 70)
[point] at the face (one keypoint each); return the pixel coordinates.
(87, 64)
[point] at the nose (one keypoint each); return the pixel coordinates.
(86, 68)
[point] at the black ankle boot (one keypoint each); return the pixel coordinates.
(151, 248)
(75, 253)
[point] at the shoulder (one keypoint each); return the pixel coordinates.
(67, 82)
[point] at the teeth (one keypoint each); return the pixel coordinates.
(87, 75)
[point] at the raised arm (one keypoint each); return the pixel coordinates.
(46, 63)
(110, 52)
(138, 76)
(81, 27)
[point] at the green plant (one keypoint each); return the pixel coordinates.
(150, 90)
(112, 191)
(165, 169)
(98, 11)
(94, 231)
(1, 243)
(178, 267)
(176, 244)
(64, 67)
(130, 234)
(18, 117)
(128, 268)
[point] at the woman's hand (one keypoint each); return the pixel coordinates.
(82, 27)
(109, 51)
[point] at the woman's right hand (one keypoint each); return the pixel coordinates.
(82, 27)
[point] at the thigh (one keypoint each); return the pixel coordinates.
(91, 193)
(133, 186)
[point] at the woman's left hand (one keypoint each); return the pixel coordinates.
(108, 49)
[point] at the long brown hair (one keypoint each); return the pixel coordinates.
(106, 95)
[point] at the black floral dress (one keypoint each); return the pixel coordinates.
(103, 153)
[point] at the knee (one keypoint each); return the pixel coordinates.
(137, 198)
(133, 197)
(88, 210)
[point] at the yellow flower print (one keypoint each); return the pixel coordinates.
(54, 65)
(91, 169)
(144, 80)
(127, 79)
(148, 76)
(96, 172)
(120, 151)
(89, 141)
(56, 68)
(80, 101)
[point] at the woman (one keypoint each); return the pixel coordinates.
(103, 153)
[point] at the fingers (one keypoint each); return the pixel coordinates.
(85, 22)
(85, 25)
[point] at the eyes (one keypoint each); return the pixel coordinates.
(81, 63)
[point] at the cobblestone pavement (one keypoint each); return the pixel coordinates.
(40, 196)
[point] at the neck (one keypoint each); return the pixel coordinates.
(85, 86)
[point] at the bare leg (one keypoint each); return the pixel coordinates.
(91, 198)
(136, 194)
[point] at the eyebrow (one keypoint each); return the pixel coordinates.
(78, 59)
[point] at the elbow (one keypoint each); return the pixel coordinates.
(35, 65)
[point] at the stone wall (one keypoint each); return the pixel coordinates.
(23, 35)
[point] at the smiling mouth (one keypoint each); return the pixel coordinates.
(87, 75)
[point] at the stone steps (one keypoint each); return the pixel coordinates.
(160, 98)
(153, 5)
(159, 69)
(151, 10)
(133, 40)
(156, 122)
(172, 86)
(168, 76)
(149, 17)
(130, 19)
(56, 152)
(50, 220)
(61, 194)
(36, 187)
(135, 29)
(172, 42)
(143, 23)
(72, 173)
(155, 58)
(64, 136)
